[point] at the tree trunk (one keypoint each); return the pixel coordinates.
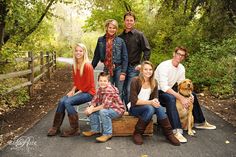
(3, 14)
(231, 11)
(185, 6)
(127, 6)
(175, 4)
(2, 27)
(195, 4)
(25, 35)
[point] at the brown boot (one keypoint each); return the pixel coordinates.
(58, 119)
(167, 129)
(90, 133)
(74, 123)
(138, 132)
(104, 138)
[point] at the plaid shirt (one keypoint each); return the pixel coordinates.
(109, 96)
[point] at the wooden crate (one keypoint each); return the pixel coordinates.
(125, 125)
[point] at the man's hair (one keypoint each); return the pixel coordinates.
(182, 49)
(130, 13)
(104, 74)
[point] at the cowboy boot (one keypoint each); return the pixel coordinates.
(167, 129)
(58, 119)
(74, 123)
(138, 132)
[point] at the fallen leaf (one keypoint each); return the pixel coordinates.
(202, 94)
(108, 148)
(227, 142)
(144, 155)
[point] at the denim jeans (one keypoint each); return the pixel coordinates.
(106, 116)
(169, 101)
(67, 103)
(146, 112)
(131, 72)
(115, 79)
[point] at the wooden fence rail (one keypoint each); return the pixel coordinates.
(47, 65)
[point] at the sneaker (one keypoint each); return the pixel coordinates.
(89, 133)
(180, 137)
(104, 138)
(205, 125)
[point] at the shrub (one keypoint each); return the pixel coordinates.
(213, 67)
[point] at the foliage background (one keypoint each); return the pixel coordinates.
(205, 27)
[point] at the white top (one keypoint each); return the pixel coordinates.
(144, 94)
(167, 75)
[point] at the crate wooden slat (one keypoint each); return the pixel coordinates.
(125, 125)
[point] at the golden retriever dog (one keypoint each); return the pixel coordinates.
(185, 88)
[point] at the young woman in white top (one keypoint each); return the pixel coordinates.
(144, 104)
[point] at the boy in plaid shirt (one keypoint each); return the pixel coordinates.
(105, 106)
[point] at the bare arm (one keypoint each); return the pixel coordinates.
(153, 102)
(71, 92)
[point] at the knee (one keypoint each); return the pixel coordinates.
(103, 112)
(194, 95)
(67, 103)
(160, 110)
(171, 102)
(150, 109)
(62, 101)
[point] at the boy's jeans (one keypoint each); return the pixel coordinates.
(106, 116)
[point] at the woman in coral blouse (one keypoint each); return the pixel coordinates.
(82, 92)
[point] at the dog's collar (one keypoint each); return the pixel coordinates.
(187, 96)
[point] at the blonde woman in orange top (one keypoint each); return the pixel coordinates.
(82, 92)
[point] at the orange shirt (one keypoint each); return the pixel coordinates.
(85, 83)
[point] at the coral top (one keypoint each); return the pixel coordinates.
(85, 83)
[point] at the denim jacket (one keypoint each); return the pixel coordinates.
(119, 53)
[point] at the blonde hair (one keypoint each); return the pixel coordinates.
(111, 21)
(85, 59)
(152, 80)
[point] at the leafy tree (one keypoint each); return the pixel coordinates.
(199, 25)
(20, 18)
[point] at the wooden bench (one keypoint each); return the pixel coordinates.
(125, 125)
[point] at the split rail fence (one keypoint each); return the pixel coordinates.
(46, 65)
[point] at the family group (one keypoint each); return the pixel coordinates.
(129, 82)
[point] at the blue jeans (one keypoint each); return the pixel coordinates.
(67, 103)
(145, 112)
(115, 79)
(169, 101)
(106, 116)
(131, 72)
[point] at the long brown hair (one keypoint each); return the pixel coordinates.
(85, 59)
(152, 80)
